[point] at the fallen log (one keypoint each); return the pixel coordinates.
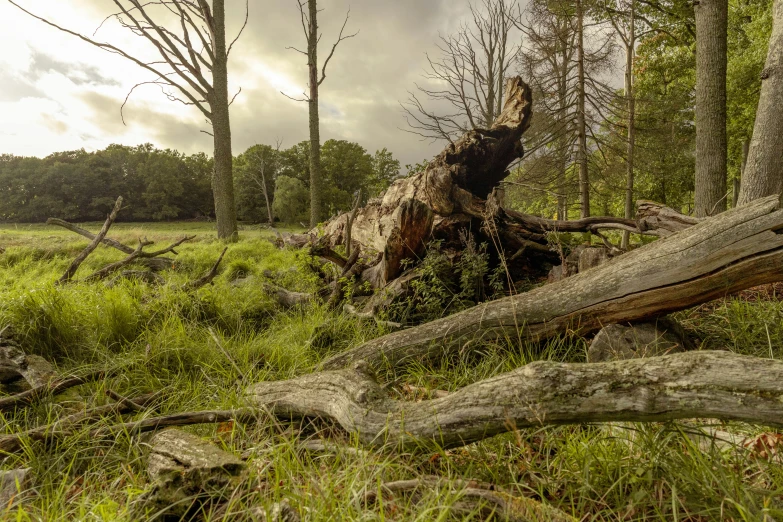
(727, 253)
(28, 397)
(716, 385)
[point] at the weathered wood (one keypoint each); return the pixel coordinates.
(74, 266)
(287, 298)
(188, 471)
(647, 339)
(718, 385)
(651, 216)
(721, 255)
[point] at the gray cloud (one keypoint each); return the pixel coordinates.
(78, 73)
(367, 78)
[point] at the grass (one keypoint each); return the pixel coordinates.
(162, 337)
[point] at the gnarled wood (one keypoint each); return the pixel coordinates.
(724, 254)
(717, 385)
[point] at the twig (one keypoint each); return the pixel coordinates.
(66, 277)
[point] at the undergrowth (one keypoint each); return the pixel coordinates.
(165, 339)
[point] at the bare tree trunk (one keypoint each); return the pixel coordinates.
(584, 180)
(315, 126)
(764, 173)
(223, 181)
(629, 93)
(711, 141)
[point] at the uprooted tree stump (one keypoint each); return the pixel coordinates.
(727, 253)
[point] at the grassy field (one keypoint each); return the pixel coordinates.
(161, 336)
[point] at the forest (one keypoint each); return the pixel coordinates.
(571, 312)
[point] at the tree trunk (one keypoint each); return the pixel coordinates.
(730, 252)
(315, 130)
(223, 179)
(764, 173)
(584, 180)
(629, 93)
(711, 141)
(717, 385)
(266, 195)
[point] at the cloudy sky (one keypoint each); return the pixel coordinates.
(59, 93)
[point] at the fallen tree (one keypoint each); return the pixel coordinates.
(733, 251)
(717, 385)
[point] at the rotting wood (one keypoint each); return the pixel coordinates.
(74, 266)
(187, 473)
(718, 385)
(721, 255)
(475, 497)
(287, 298)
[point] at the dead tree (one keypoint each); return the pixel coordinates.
(316, 77)
(192, 69)
(469, 76)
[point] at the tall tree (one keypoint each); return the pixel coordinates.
(711, 138)
(763, 174)
(190, 37)
(309, 19)
(581, 120)
(466, 81)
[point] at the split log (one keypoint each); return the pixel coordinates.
(721, 255)
(718, 385)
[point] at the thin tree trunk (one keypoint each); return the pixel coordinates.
(315, 131)
(562, 201)
(629, 54)
(584, 181)
(223, 180)
(764, 173)
(711, 141)
(266, 195)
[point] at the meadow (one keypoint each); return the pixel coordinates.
(165, 338)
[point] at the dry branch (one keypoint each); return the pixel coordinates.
(89, 235)
(74, 266)
(721, 255)
(27, 397)
(178, 419)
(717, 385)
(209, 276)
(68, 425)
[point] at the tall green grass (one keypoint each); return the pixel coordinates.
(166, 339)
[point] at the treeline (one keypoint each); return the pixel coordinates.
(163, 185)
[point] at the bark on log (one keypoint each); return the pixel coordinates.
(187, 472)
(721, 255)
(717, 385)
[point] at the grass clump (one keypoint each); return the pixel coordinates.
(200, 349)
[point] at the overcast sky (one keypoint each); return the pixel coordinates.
(59, 93)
